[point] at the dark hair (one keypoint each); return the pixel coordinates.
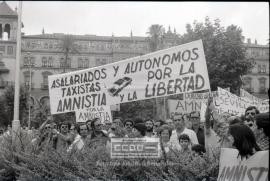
(252, 107)
(128, 120)
(65, 123)
(200, 149)
(262, 121)
(93, 122)
(163, 128)
(149, 120)
(161, 122)
(244, 139)
(141, 128)
(184, 137)
(235, 120)
(89, 120)
(77, 127)
(138, 120)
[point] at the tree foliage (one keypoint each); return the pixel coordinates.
(224, 52)
(7, 106)
(156, 36)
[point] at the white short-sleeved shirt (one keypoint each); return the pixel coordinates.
(175, 142)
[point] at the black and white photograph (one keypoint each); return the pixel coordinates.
(134, 91)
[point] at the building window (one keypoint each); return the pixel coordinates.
(64, 64)
(50, 62)
(28, 61)
(44, 62)
(80, 63)
(86, 63)
(2, 49)
(259, 68)
(247, 84)
(263, 70)
(44, 84)
(10, 50)
(101, 61)
(262, 82)
(27, 79)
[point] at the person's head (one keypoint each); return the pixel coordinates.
(88, 124)
(96, 124)
(184, 141)
(149, 123)
(64, 127)
(250, 112)
(82, 129)
(54, 125)
(157, 124)
(242, 138)
(179, 122)
(107, 125)
(118, 122)
(261, 125)
(128, 125)
(139, 129)
(198, 149)
(47, 128)
(170, 123)
(73, 129)
(234, 120)
(194, 118)
(188, 123)
(165, 133)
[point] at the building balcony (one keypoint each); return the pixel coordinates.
(27, 84)
(4, 84)
(44, 86)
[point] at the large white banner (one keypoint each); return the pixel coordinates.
(231, 103)
(171, 71)
(231, 167)
(102, 112)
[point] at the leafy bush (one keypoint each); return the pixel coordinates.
(94, 163)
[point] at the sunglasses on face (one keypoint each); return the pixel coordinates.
(250, 125)
(47, 127)
(129, 125)
(177, 120)
(250, 113)
(64, 126)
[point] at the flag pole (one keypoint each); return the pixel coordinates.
(16, 121)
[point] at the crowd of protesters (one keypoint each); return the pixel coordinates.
(185, 133)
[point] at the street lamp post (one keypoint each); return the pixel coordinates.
(30, 87)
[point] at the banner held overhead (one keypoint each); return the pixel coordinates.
(176, 70)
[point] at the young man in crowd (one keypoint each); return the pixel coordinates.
(250, 112)
(128, 124)
(63, 138)
(149, 124)
(80, 139)
(261, 130)
(185, 143)
(157, 125)
(169, 122)
(196, 126)
(180, 128)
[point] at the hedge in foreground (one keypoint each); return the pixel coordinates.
(94, 163)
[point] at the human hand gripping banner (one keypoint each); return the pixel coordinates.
(176, 70)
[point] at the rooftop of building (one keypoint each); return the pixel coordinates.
(5, 10)
(86, 37)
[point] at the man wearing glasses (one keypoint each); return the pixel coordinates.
(180, 128)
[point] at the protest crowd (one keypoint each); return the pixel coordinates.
(226, 139)
(184, 134)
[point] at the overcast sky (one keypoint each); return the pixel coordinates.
(119, 18)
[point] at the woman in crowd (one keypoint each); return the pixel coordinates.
(165, 133)
(242, 138)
